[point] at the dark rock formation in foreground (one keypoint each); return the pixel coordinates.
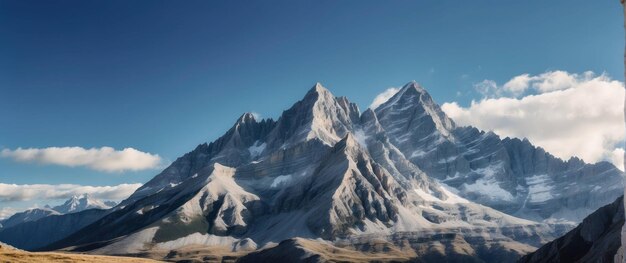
(596, 239)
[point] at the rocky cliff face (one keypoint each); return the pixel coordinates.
(596, 239)
(398, 173)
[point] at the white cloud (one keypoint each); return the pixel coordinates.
(570, 115)
(7, 212)
(488, 88)
(518, 85)
(383, 97)
(104, 159)
(542, 83)
(26, 192)
(617, 157)
(558, 80)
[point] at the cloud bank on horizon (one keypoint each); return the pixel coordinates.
(567, 114)
(104, 159)
(26, 192)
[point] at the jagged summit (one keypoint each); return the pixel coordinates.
(318, 88)
(413, 97)
(317, 93)
(246, 118)
(413, 85)
(319, 115)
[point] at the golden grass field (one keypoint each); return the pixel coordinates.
(11, 255)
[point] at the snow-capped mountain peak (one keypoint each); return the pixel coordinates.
(414, 101)
(79, 203)
(319, 115)
(247, 117)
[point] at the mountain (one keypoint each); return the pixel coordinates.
(596, 239)
(28, 216)
(509, 174)
(79, 203)
(75, 204)
(35, 234)
(37, 227)
(324, 177)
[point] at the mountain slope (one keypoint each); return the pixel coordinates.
(28, 216)
(35, 234)
(37, 227)
(596, 239)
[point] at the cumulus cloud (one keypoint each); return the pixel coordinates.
(617, 157)
(26, 192)
(542, 83)
(488, 88)
(566, 114)
(7, 212)
(558, 80)
(517, 85)
(383, 97)
(105, 159)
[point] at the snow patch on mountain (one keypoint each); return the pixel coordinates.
(449, 196)
(281, 179)
(539, 188)
(256, 149)
(452, 195)
(361, 137)
(488, 186)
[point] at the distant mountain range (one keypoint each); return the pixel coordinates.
(82, 202)
(327, 182)
(75, 204)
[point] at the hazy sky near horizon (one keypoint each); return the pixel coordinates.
(161, 77)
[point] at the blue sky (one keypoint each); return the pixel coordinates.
(164, 76)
